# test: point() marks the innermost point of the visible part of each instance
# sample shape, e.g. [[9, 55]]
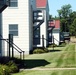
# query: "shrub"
[[38, 51], [62, 44], [13, 68], [46, 50], [8, 66], [4, 70]]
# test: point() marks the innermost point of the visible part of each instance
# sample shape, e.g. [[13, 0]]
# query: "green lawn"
[[35, 72], [57, 58]]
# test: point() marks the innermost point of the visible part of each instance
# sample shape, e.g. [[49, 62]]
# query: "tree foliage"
[[73, 28], [67, 19], [65, 11], [64, 14]]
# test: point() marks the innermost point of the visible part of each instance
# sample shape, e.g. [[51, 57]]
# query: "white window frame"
[[12, 30]]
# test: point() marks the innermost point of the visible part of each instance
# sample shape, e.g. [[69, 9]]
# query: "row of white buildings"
[[27, 20]]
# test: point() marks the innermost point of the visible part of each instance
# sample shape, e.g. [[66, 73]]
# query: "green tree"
[[64, 13], [72, 18], [73, 28]]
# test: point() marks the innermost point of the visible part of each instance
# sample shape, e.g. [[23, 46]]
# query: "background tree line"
[[67, 19]]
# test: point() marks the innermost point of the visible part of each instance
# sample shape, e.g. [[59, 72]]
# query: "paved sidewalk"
[[52, 69]]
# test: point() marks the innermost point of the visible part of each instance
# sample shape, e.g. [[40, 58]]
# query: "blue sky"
[[54, 5]]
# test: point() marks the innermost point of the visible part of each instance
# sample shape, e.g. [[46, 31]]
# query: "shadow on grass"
[[55, 50], [28, 63], [31, 63]]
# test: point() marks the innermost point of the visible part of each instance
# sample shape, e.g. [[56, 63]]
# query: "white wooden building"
[[41, 5], [54, 32], [17, 19]]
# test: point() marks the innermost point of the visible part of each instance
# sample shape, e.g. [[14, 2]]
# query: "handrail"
[[2, 8], [21, 51], [14, 46], [56, 39], [47, 39], [37, 19], [38, 24]]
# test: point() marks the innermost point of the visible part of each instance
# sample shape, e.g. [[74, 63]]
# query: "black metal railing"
[[38, 25], [4, 4], [13, 45], [18, 49], [37, 18]]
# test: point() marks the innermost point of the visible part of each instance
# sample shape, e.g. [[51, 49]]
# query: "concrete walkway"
[[52, 69]]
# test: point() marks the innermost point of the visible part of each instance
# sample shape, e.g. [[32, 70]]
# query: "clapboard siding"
[[19, 15]]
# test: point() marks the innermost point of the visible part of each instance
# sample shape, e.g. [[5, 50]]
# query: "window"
[[13, 3], [13, 29]]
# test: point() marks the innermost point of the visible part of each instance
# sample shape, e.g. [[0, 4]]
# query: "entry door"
[[36, 37]]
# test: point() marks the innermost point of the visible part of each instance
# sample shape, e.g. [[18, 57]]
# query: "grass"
[[59, 57], [35, 72], [67, 58]]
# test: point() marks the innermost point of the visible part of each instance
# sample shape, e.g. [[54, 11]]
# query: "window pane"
[[15, 33], [13, 3], [13, 29], [13, 0]]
